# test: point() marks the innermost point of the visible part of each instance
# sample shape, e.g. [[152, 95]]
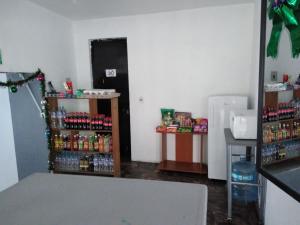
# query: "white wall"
[[30, 37], [254, 78], [8, 164], [280, 207], [176, 59], [33, 37]]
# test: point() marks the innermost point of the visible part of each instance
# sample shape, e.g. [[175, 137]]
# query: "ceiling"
[[89, 9]]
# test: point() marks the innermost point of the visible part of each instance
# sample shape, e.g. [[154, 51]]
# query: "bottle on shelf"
[[85, 143], [91, 143], [101, 144], [75, 142], [96, 142], [53, 120]]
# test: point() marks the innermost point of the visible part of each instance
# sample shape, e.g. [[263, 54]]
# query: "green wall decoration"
[[284, 13], [0, 57]]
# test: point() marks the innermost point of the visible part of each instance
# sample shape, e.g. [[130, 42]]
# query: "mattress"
[[52, 199]]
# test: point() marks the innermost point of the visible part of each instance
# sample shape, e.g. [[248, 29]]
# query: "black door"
[[110, 54]]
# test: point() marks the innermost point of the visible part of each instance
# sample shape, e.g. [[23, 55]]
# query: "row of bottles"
[[75, 161], [77, 120], [101, 122], [282, 112], [92, 143], [278, 132], [80, 121], [274, 152]]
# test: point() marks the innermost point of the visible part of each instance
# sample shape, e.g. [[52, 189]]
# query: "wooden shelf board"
[[161, 132], [78, 172], [169, 165], [100, 131], [110, 96], [85, 152], [281, 141], [281, 160], [278, 121]]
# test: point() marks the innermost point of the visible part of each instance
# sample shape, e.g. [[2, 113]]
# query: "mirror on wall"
[[279, 95]]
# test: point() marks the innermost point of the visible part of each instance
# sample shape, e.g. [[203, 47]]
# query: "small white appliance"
[[243, 124], [219, 108]]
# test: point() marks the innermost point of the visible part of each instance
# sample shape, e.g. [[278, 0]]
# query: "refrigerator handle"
[[213, 116]]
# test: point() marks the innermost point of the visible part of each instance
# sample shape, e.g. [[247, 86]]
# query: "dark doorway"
[[112, 54]]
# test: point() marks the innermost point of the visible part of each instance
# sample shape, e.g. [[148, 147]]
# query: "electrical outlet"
[[274, 76]]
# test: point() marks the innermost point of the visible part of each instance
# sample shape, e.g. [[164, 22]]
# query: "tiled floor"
[[217, 195]]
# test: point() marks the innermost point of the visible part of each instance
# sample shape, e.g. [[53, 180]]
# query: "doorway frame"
[[92, 80]]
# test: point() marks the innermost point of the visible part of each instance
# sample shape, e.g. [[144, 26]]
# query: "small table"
[[231, 141], [184, 154]]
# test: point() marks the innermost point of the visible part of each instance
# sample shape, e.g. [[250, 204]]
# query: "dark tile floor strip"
[[217, 194]]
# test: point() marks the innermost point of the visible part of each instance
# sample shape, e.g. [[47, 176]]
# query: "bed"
[[53, 199]]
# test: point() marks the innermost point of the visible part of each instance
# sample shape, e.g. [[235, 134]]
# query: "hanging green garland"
[[284, 13]]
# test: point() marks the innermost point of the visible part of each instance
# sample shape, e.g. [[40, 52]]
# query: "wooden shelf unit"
[[271, 100], [93, 110], [184, 154]]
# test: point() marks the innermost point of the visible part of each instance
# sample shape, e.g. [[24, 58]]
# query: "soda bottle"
[[83, 121], [71, 121], [56, 142], [66, 121], [91, 143], [75, 142], [110, 144], [75, 121], [88, 122], [85, 143], [68, 143], [80, 143], [110, 124], [79, 121], [101, 144], [61, 142], [93, 123], [64, 142], [96, 143]]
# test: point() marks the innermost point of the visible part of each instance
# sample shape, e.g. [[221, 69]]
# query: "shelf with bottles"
[[74, 126], [281, 131], [80, 121], [83, 143], [273, 153], [84, 163], [281, 112]]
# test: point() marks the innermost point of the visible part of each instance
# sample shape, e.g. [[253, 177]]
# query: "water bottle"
[[60, 119], [96, 164], [53, 120], [106, 163], [245, 172], [101, 163]]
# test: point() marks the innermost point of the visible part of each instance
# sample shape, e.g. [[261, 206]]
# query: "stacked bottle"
[[285, 111], [57, 118], [73, 161], [279, 132], [77, 120], [100, 122], [93, 143]]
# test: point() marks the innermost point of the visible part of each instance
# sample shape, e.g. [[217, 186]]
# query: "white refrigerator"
[[219, 108]]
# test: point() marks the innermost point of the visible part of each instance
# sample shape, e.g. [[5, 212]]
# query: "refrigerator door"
[[218, 116]]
